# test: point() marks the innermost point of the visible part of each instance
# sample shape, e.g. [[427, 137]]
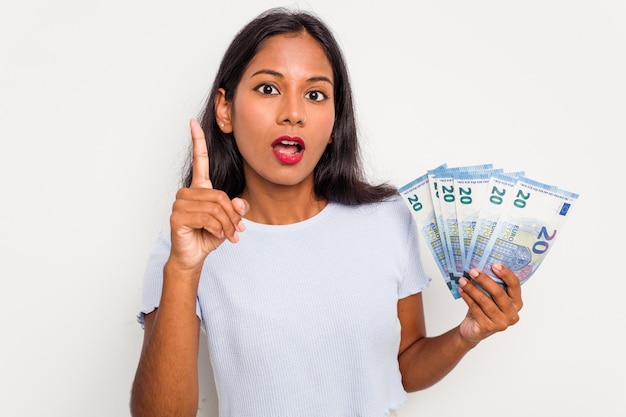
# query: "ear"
[[223, 111]]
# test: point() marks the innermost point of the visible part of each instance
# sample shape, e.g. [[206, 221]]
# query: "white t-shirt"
[[301, 319]]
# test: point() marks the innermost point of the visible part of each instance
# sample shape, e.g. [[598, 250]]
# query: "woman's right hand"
[[202, 217]]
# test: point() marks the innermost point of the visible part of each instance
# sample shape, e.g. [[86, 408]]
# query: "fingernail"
[[473, 273], [462, 282], [496, 267], [241, 226]]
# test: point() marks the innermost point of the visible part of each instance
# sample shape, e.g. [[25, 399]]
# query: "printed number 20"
[[542, 246], [415, 203]]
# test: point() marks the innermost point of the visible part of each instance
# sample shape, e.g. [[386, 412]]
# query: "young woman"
[[304, 277]]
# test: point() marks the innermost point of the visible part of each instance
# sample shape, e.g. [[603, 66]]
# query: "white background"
[[95, 98]]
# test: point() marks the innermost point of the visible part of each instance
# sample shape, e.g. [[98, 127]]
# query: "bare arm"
[[426, 360], [166, 381]]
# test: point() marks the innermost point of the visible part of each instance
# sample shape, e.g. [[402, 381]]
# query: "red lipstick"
[[288, 150]]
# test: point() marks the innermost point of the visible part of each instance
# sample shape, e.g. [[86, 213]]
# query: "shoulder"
[[392, 208], [162, 246], [388, 214]]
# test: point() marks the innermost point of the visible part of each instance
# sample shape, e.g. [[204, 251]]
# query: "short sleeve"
[[153, 277], [415, 278]]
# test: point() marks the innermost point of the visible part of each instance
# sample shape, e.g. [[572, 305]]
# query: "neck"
[[282, 204]]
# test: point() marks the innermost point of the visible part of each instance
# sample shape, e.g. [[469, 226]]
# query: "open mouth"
[[288, 147], [288, 150]]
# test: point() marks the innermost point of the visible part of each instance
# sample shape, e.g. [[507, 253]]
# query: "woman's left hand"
[[492, 312]]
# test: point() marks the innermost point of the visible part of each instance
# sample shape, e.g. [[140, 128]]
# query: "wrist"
[[173, 270], [464, 342]]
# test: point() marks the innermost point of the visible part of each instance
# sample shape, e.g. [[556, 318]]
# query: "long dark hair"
[[339, 175]]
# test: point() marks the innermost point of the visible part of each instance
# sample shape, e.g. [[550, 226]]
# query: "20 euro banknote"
[[443, 195], [474, 216], [417, 196], [527, 228]]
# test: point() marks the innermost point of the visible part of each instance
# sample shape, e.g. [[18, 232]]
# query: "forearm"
[[429, 359], [166, 382]]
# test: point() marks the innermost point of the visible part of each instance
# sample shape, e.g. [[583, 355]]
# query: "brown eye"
[[316, 96], [266, 89]]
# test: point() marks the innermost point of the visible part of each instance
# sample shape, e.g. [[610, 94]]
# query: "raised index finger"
[[200, 162]]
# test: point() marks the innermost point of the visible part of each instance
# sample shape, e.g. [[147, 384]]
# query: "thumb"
[[240, 205]]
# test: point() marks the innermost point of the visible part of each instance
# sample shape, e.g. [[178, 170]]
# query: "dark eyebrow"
[[321, 78], [268, 72], [279, 75]]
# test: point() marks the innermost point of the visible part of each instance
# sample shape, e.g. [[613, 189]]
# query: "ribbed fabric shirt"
[[301, 319]]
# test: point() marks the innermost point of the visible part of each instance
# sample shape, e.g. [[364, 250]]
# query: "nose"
[[292, 110]]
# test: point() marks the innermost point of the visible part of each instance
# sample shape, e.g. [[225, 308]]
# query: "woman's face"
[[283, 111]]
